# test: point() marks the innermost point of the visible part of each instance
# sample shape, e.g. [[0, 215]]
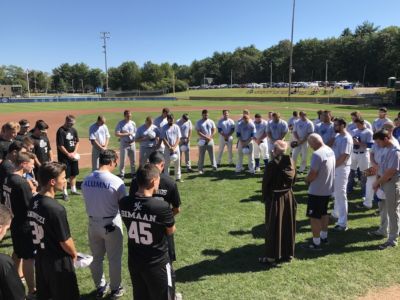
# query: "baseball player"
[[171, 136], [7, 166], [276, 130], [321, 186], [67, 148], [126, 131], [396, 130], [318, 119], [302, 129], [8, 134], [24, 130], [17, 193], [356, 115], [382, 119], [11, 287], [325, 128], [226, 128], [342, 147], [56, 253], [148, 222], [245, 133], [99, 137], [293, 120], [147, 135], [160, 121], [362, 142], [102, 190], [185, 125], [42, 148], [260, 144], [389, 181], [206, 129], [167, 190]]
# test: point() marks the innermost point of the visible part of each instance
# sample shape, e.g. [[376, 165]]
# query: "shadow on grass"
[[237, 260], [224, 174]]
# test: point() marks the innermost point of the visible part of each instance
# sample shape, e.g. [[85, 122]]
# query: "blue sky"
[[43, 34]]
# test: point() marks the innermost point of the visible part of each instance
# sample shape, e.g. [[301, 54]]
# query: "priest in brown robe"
[[280, 206]]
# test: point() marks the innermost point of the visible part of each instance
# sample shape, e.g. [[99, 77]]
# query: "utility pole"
[[105, 36], [173, 82], [82, 86], [291, 51], [365, 70], [27, 83], [270, 75], [72, 85], [326, 73], [231, 78]]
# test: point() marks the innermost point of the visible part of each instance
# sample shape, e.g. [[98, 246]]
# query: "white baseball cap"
[[77, 156], [151, 134], [201, 142], [173, 157], [184, 148]]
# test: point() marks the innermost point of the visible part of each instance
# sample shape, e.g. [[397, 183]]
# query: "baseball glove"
[[294, 144]]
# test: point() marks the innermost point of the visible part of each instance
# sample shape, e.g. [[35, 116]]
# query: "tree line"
[[368, 55]]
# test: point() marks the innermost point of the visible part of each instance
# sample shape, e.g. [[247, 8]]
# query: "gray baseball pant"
[[202, 152], [102, 242], [392, 205], [124, 151]]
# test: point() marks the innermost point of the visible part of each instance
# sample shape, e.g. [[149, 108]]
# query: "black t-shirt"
[[17, 194], [167, 190], [67, 137], [42, 148], [20, 137], [6, 168], [4, 145], [49, 226], [11, 287], [146, 220]]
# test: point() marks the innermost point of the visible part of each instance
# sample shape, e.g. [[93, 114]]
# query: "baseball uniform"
[[226, 127]]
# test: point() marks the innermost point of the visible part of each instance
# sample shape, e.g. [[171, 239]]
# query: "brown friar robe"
[[280, 207]]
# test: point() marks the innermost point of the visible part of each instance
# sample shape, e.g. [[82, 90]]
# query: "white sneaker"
[[201, 172], [258, 169]]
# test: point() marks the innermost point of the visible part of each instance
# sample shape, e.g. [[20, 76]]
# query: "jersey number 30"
[[37, 234], [141, 234]]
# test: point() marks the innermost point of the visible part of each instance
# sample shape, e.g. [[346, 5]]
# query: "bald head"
[[280, 147], [315, 141]]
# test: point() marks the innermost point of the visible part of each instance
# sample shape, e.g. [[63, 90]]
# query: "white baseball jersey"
[[185, 127], [226, 126], [125, 127], [205, 127], [303, 128], [343, 144], [277, 129]]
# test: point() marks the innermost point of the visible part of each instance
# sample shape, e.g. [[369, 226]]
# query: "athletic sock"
[[265, 162], [73, 188], [324, 234], [317, 241], [65, 191], [257, 162]]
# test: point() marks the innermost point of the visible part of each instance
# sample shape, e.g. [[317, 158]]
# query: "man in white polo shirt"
[[302, 129], [126, 131], [245, 133], [171, 136], [226, 128], [99, 136], [186, 127], [321, 186], [102, 191], [206, 130], [342, 147]]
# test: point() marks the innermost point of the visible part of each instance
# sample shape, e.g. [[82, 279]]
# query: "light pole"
[[82, 86], [27, 83], [72, 85], [291, 50], [365, 70], [105, 36], [326, 73], [231, 78], [270, 75]]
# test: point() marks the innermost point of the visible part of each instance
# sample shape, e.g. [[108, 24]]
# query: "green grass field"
[[220, 229]]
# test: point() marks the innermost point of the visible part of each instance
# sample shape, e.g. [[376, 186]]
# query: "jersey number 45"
[[140, 232]]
